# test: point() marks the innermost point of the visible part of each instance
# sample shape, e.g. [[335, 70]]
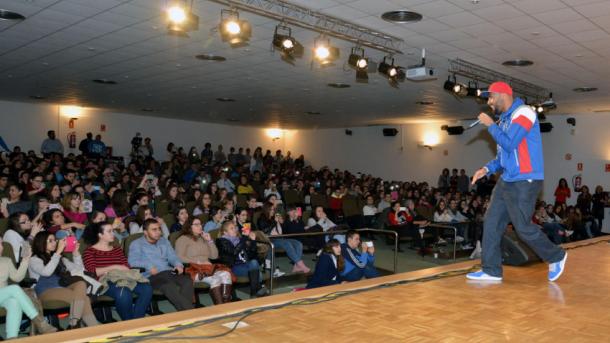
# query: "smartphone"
[[369, 244], [299, 212], [150, 177], [97, 188], [245, 230], [403, 209], [52, 206], [87, 206], [70, 244]]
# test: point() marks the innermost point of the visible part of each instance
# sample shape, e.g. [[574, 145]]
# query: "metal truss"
[[481, 74], [309, 19]]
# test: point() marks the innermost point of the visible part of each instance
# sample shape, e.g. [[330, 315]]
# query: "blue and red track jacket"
[[519, 152]]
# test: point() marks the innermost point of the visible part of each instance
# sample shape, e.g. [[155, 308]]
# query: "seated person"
[[270, 223], [143, 214], [358, 264], [320, 219], [239, 253], [162, 267], [217, 216], [196, 247], [56, 223], [20, 229], [15, 300], [101, 257], [329, 267], [294, 224]]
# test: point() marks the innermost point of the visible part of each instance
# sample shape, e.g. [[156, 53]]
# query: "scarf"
[[234, 240]]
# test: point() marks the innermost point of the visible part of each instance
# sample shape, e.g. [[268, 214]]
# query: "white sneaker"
[[267, 264], [459, 239], [441, 241], [569, 233], [278, 272]]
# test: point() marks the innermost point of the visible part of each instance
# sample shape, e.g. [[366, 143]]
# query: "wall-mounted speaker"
[[348, 132], [390, 132], [546, 127], [455, 130]]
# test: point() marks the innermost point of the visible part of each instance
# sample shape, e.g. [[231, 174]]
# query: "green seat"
[[173, 237], [169, 220], [291, 197], [162, 208], [306, 215], [3, 226], [190, 206], [319, 200], [214, 233], [7, 251], [127, 241], [242, 201], [350, 206], [203, 218]]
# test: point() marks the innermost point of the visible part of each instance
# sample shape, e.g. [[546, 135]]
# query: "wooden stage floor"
[[523, 308]]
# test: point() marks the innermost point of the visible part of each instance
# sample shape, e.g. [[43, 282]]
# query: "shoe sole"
[[486, 279], [562, 263]]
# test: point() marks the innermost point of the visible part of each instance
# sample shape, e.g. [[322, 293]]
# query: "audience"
[[329, 267]]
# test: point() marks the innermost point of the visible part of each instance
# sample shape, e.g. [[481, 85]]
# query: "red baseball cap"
[[499, 87]]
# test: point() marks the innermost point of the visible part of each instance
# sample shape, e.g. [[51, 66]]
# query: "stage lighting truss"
[[288, 46], [393, 72], [180, 18], [360, 63], [233, 30]]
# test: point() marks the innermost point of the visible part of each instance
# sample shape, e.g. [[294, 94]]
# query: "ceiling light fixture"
[[584, 89], [339, 85], [517, 63], [180, 18], [289, 47], [392, 72], [10, 15], [235, 31], [224, 99], [210, 57], [324, 53], [105, 81], [357, 61], [401, 16]]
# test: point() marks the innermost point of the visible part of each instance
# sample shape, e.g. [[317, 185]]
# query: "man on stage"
[[519, 157]]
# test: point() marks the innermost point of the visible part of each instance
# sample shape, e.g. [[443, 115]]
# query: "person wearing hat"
[[519, 159]]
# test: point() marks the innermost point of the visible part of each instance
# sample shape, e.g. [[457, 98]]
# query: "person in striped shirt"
[[101, 257]]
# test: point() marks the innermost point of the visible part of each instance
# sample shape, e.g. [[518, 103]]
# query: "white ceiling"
[[64, 44]]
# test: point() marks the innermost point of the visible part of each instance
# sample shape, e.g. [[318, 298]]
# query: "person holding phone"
[[358, 263], [52, 273], [55, 223]]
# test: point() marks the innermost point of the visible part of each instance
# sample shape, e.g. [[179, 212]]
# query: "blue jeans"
[[358, 273], [293, 248], [125, 306], [242, 269], [514, 202]]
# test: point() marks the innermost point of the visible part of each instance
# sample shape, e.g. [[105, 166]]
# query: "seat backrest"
[[127, 241], [204, 218], [350, 206], [306, 215], [169, 220], [190, 206], [255, 216], [214, 233], [382, 220], [162, 208], [7, 251], [319, 200], [242, 201], [173, 237], [3, 226], [291, 197]]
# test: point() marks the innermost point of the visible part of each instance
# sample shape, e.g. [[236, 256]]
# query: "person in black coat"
[[239, 253], [329, 267]]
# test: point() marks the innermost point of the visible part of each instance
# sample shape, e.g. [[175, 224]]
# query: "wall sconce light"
[[71, 111], [274, 134], [430, 140]]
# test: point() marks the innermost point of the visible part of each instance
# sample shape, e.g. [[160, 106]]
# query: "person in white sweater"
[[53, 277], [143, 213], [320, 218]]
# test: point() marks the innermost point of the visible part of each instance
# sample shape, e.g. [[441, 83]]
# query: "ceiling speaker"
[[546, 127]]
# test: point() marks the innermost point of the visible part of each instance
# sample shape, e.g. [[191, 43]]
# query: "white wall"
[[367, 150], [26, 125]]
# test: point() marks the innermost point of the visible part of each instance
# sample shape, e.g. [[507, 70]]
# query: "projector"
[[420, 73]]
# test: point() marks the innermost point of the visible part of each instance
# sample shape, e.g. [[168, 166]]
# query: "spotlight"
[[394, 73], [449, 84], [235, 31], [357, 61], [324, 53], [181, 19], [288, 46], [549, 104]]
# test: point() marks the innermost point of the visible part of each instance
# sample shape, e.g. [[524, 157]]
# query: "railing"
[[446, 227], [326, 233]]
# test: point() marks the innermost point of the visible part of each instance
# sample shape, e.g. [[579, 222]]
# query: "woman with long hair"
[[101, 258], [20, 229], [53, 281], [329, 266], [197, 248]]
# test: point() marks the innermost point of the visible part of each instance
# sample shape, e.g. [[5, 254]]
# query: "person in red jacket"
[[562, 192]]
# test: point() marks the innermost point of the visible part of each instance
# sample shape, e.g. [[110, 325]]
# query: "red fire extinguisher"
[[72, 140], [577, 182]]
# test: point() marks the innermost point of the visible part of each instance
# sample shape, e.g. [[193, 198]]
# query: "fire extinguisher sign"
[[607, 167], [579, 166]]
